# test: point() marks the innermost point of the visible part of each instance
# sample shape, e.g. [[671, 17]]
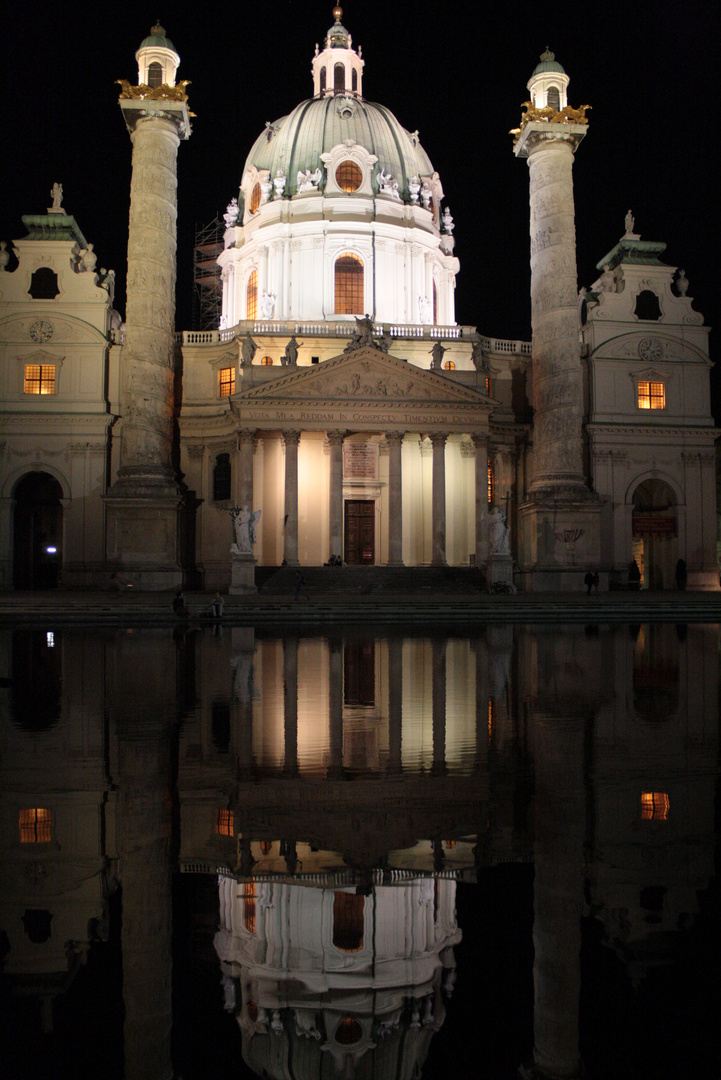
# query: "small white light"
[[51, 639], [51, 550]]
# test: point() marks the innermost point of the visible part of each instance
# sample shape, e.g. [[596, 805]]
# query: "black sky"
[[458, 74]]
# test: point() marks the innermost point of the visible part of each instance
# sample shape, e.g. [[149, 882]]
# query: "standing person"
[[179, 608], [596, 581]]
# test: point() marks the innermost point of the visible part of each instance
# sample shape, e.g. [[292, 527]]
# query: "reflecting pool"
[[347, 855]]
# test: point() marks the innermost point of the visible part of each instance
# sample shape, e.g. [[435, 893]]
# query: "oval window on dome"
[[348, 176], [255, 199]]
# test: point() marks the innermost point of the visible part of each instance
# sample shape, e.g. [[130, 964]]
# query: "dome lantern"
[[337, 68], [548, 84], [157, 59]]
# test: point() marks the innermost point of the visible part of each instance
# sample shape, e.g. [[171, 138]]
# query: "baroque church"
[[338, 396]]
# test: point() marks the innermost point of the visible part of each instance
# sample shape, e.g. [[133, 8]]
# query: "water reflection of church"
[[339, 791], [381, 448]]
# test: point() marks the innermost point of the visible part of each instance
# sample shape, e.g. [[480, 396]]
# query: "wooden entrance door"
[[360, 532]]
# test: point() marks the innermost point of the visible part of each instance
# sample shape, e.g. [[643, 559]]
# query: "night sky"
[[649, 71]]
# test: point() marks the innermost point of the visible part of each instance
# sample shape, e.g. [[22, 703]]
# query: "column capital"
[[438, 438], [291, 436], [247, 437], [395, 437], [480, 440], [336, 437]]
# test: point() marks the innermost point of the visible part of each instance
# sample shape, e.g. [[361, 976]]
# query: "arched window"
[[44, 284], [348, 1031], [354, 81], [251, 296], [554, 98], [221, 478], [254, 199], [339, 78], [267, 361], [491, 483], [155, 74], [322, 80], [647, 306], [348, 176], [348, 921], [348, 285], [449, 365]]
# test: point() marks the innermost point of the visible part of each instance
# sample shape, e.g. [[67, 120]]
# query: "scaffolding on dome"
[[207, 286]]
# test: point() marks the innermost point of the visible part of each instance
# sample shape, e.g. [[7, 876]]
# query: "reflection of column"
[[481, 444], [246, 446], [438, 441], [335, 707], [395, 498], [558, 893], [395, 704], [439, 705], [290, 552], [144, 701], [290, 693], [335, 513], [242, 650]]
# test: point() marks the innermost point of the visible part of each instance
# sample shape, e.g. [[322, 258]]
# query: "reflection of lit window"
[[224, 822], [654, 805], [252, 1010], [226, 385], [348, 1031], [348, 176], [348, 285], [254, 199], [488, 385], [39, 379], [251, 296], [249, 907], [348, 921], [35, 826], [267, 361], [491, 483], [490, 719], [651, 395], [266, 846]]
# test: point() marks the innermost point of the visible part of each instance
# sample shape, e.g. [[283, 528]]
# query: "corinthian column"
[[335, 508], [246, 446], [480, 443], [395, 498], [291, 440], [438, 441]]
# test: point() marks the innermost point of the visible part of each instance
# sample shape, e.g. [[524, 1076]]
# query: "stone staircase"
[[330, 581]]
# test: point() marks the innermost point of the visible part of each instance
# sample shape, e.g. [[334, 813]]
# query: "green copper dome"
[[157, 39], [548, 63], [295, 142]]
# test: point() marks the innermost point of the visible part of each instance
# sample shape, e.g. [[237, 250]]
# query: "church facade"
[[338, 396]]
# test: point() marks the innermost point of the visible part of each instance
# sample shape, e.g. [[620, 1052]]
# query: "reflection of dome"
[[333, 982], [295, 142]]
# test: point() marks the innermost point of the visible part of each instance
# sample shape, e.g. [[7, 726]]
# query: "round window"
[[348, 176], [267, 361]]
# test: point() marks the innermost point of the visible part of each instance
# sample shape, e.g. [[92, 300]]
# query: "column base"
[[242, 569], [560, 541], [143, 538], [499, 574]]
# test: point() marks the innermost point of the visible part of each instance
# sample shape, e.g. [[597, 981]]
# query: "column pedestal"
[[559, 541], [143, 538], [499, 573], [242, 569]]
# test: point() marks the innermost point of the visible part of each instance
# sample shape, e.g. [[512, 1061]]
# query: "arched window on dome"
[[322, 80], [554, 98], [251, 296], [155, 74], [450, 365], [348, 921], [255, 199], [354, 81], [267, 361], [339, 78], [349, 276]]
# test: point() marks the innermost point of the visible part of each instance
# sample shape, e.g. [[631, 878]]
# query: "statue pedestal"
[[242, 568], [559, 541], [499, 572]]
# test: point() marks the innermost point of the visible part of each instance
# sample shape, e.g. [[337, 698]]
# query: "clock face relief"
[[41, 330], [650, 349]]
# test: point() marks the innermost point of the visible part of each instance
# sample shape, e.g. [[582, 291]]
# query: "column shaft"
[[335, 494], [438, 441], [246, 446], [291, 440], [481, 444], [395, 497]]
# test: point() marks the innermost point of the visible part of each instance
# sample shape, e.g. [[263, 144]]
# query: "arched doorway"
[[38, 532], [655, 534]]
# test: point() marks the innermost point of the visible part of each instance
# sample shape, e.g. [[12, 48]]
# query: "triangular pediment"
[[364, 377]]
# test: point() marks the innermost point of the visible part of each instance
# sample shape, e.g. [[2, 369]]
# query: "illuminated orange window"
[[251, 296], [490, 719], [488, 385], [651, 395], [35, 826], [348, 921], [348, 176], [39, 379], [491, 483], [224, 822], [254, 199], [249, 906], [226, 383], [267, 361], [654, 805], [449, 365], [348, 285]]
